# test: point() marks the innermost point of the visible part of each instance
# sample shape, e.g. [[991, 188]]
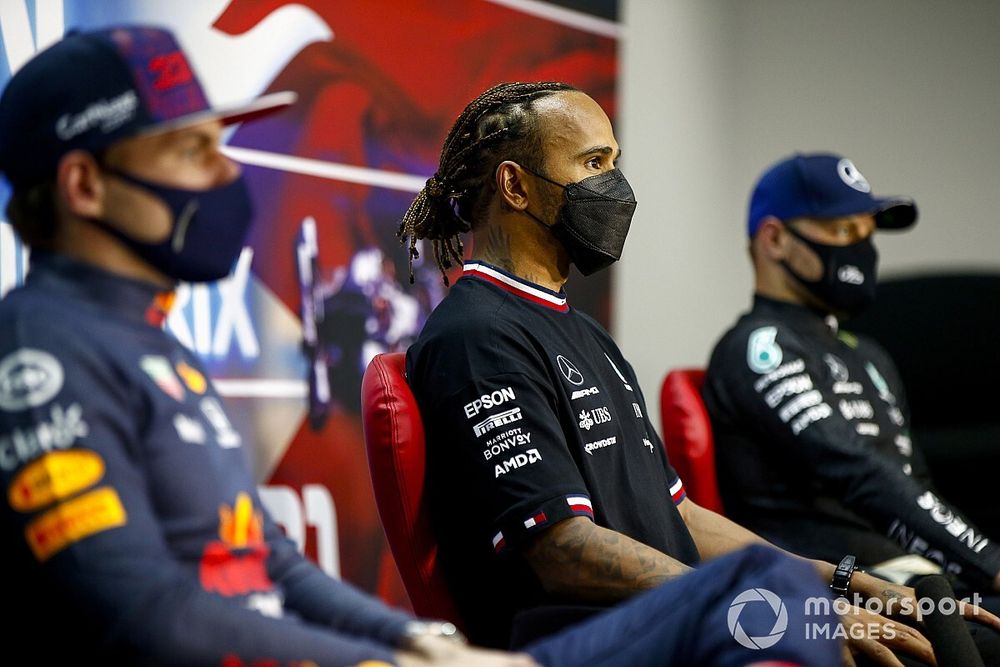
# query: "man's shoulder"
[[469, 317], [39, 321], [28, 314], [472, 332], [749, 325], [865, 347], [757, 345]]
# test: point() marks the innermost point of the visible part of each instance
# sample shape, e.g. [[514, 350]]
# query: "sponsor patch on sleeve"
[[763, 352], [29, 378], [54, 477], [192, 377], [74, 520]]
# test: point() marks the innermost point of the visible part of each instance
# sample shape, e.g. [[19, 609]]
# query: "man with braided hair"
[[549, 489]]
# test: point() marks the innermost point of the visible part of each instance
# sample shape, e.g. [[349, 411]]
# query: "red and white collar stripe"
[[517, 286]]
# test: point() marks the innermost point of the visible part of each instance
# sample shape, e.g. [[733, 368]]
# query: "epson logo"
[[487, 401], [497, 420], [516, 461]]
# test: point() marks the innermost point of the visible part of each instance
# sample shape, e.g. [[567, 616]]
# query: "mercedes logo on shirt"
[[569, 371]]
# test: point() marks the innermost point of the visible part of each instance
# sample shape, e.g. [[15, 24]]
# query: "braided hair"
[[499, 125]]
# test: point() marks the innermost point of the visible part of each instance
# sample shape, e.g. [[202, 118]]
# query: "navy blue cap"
[[91, 89], [823, 185]]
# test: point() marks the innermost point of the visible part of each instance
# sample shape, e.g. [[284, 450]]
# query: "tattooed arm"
[[714, 534], [580, 559]]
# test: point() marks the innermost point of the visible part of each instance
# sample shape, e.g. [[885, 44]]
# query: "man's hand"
[[878, 638], [431, 651]]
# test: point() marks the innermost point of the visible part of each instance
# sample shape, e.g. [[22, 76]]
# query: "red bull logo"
[[237, 563]]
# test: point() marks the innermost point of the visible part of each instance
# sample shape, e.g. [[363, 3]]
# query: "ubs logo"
[[569, 371]]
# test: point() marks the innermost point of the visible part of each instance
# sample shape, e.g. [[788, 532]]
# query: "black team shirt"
[[813, 447], [532, 416]]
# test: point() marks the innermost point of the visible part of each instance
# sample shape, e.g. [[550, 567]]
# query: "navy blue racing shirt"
[[132, 528]]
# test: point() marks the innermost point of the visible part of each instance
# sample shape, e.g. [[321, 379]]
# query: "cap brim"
[[896, 213], [235, 113]]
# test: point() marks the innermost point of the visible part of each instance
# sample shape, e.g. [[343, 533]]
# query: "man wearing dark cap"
[[132, 530], [810, 422]]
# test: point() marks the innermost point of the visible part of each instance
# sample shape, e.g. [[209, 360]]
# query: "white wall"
[[715, 90]]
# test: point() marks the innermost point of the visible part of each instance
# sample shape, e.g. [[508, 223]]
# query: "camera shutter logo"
[[780, 618]]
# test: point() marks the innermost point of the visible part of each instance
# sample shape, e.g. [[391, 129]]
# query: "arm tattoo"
[[585, 561]]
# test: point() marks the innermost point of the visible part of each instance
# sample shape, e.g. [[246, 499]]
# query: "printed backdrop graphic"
[[322, 286]]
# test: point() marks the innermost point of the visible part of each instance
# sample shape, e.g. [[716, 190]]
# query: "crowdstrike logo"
[[756, 596]]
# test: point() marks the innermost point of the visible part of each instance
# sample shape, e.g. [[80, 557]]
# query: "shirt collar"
[[799, 313], [517, 286], [135, 300]]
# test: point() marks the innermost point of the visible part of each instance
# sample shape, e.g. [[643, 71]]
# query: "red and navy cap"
[[94, 88], [822, 185]]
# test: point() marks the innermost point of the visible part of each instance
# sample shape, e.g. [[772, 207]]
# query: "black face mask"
[[593, 220], [849, 274]]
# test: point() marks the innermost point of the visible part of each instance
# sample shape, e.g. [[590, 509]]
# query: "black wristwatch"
[[842, 575]]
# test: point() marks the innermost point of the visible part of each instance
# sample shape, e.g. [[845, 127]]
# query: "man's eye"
[[594, 162], [191, 151]]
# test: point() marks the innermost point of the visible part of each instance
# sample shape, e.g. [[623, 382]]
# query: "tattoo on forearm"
[[586, 561]]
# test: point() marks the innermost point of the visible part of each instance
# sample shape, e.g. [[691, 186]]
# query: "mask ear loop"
[[788, 267], [544, 178], [796, 233]]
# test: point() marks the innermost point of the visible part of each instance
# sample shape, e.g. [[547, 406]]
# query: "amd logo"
[[517, 461]]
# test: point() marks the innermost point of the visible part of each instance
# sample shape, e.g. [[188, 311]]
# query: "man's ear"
[[771, 240], [80, 184], [512, 185]]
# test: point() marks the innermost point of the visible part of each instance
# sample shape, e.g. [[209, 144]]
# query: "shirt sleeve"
[[502, 434], [797, 404], [330, 602], [78, 504]]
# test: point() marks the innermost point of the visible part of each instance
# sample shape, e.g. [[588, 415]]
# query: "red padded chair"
[[687, 435], [394, 440]]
